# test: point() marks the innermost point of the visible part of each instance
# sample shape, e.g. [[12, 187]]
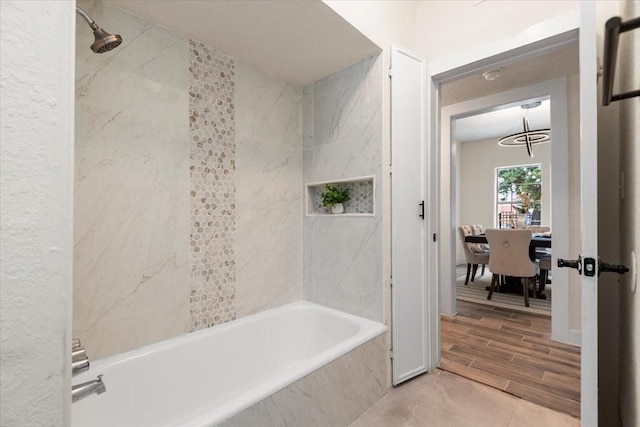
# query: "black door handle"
[[571, 263], [590, 263], [422, 209], [603, 267]]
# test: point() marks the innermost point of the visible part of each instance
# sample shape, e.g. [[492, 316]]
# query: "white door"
[[410, 337], [589, 213]]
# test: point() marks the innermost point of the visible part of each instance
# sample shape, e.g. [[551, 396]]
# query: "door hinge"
[[391, 353], [390, 71], [434, 237]]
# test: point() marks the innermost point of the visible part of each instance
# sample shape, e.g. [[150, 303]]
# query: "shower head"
[[104, 41]]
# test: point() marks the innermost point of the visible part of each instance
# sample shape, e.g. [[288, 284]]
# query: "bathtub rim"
[[368, 330]]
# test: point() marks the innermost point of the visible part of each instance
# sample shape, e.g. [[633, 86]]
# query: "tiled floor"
[[512, 351], [443, 399]]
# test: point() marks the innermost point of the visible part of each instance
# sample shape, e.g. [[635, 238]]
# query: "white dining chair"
[[510, 257], [475, 253]]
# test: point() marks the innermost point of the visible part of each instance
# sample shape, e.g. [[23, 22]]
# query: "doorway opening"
[[525, 351], [505, 188]]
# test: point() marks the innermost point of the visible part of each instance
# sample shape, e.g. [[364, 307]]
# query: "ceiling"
[[504, 122], [507, 121], [298, 40], [559, 63]]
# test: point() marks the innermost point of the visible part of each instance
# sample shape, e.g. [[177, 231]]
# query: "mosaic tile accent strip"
[[213, 191], [361, 197]]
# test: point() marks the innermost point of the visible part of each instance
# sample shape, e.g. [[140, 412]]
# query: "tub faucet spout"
[[88, 388]]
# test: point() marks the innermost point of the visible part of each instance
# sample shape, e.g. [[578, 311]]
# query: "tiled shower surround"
[[213, 187], [191, 171], [343, 140], [180, 178]]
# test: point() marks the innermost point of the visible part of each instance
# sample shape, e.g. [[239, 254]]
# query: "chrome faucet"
[[80, 363], [88, 388]]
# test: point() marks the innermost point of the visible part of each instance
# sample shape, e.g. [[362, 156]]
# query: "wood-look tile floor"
[[512, 351]]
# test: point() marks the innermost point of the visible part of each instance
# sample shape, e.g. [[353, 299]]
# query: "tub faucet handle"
[[79, 365], [79, 359], [78, 353]]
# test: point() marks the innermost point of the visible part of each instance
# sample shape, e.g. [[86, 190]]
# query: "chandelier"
[[527, 137]]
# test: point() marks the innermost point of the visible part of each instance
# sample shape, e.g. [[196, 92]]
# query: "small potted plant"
[[334, 198]]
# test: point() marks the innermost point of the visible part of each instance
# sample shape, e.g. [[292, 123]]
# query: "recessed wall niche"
[[361, 190]]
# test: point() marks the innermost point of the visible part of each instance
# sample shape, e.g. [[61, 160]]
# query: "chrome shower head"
[[104, 41]]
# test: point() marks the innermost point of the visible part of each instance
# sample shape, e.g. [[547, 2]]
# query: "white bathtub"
[[204, 378]]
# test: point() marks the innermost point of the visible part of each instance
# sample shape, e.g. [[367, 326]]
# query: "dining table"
[[537, 241]]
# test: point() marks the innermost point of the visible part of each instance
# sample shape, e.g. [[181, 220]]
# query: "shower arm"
[[87, 18]]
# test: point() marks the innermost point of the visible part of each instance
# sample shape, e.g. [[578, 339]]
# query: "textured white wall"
[[445, 28], [36, 203], [629, 388]]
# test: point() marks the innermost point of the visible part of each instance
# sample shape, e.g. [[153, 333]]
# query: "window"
[[519, 192]]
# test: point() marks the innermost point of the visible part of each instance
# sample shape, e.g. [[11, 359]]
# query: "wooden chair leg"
[[474, 271], [534, 282], [466, 281], [494, 280], [525, 289], [483, 269], [544, 274]]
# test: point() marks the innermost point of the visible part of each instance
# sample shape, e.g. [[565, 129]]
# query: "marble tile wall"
[[269, 191], [188, 198], [131, 200], [334, 395], [342, 138]]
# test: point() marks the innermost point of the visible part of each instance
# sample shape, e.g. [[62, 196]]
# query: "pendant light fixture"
[[527, 137]]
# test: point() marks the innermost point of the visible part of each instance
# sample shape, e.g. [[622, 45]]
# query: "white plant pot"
[[337, 208]]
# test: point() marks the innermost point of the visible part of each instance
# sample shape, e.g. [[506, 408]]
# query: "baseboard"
[[575, 337]]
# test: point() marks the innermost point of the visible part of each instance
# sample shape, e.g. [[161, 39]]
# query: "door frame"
[[557, 91], [535, 40]]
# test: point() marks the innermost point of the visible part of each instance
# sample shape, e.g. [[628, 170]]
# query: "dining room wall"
[[478, 161]]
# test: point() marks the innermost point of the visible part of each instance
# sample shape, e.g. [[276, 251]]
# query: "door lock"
[[571, 263], [590, 266]]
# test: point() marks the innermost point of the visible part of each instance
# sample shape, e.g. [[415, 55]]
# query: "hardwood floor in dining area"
[[512, 351]]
